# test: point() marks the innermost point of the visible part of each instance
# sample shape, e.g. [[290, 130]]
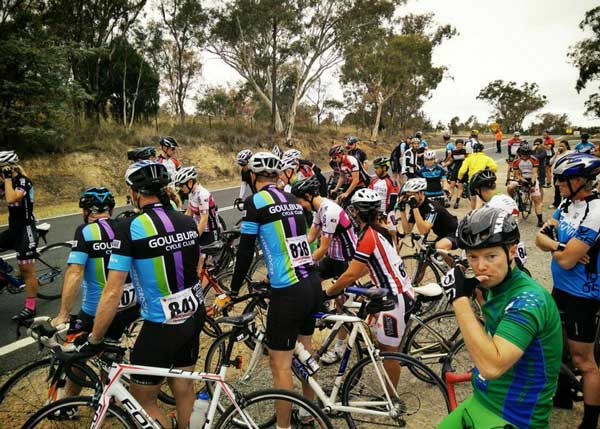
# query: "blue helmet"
[[97, 200], [577, 165]]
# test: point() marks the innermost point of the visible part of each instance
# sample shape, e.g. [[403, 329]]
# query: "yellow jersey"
[[476, 162]]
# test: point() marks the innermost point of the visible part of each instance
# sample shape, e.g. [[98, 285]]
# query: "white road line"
[[12, 347]]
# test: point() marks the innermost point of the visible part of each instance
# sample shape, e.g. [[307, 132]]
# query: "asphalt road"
[[13, 353]]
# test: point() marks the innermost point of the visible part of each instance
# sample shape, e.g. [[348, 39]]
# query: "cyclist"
[[525, 172], [422, 142], [549, 144], [353, 150], [161, 248], [584, 146], [563, 149], [513, 146], [410, 160], [517, 352], [448, 144], [473, 139], [384, 185], [453, 163], [288, 175], [243, 157], [427, 215], [21, 234], [277, 219], [168, 146], [307, 168], [396, 160], [475, 162], [375, 252], [437, 184], [351, 169], [572, 237], [141, 153]]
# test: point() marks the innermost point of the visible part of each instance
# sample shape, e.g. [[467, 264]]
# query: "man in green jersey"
[[517, 353]]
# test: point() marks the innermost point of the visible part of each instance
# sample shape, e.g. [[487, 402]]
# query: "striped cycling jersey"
[[526, 166], [334, 222], [161, 249], [434, 177], [385, 265], [278, 220], [387, 189], [201, 202]]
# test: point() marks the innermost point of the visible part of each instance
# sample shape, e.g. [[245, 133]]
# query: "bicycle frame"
[[450, 379]]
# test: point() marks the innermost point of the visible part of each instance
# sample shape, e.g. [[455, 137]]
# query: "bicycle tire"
[[47, 415], [425, 411], [526, 203], [257, 406], [222, 223], [421, 272], [50, 266]]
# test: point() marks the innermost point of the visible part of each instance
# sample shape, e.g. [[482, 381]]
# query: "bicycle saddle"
[[43, 227], [237, 320], [213, 248], [430, 289]]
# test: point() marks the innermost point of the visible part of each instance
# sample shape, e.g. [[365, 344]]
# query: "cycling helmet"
[[337, 149], [474, 132], [168, 142], [98, 200], [366, 200], [517, 134], [418, 134], [417, 184], [243, 156], [147, 177], [524, 149], [288, 163], [185, 174], [8, 157], [429, 154], [292, 153], [276, 151], [415, 140], [585, 136], [461, 141], [381, 161], [577, 165], [351, 140], [446, 135], [482, 179], [141, 153], [265, 164], [309, 186], [487, 227], [477, 147]]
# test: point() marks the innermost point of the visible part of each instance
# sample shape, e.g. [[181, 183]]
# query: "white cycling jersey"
[[508, 205]]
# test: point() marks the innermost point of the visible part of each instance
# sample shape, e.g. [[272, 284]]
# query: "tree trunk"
[[274, 79], [377, 120], [292, 117], [125, 92], [135, 96]]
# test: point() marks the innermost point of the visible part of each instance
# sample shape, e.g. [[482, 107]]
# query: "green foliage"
[[513, 103], [554, 122], [585, 55]]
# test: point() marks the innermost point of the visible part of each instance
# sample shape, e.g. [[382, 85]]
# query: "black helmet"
[[351, 140], [168, 142], [524, 149], [459, 140], [477, 147], [381, 161], [307, 186], [482, 179], [147, 177], [97, 200], [487, 227], [585, 136], [141, 153]]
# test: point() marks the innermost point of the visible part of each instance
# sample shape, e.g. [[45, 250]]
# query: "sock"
[[539, 217], [339, 346], [457, 199], [590, 416], [30, 303]]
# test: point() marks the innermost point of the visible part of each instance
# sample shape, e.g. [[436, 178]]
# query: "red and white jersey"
[[349, 165], [385, 187], [526, 166], [172, 165], [385, 265], [202, 202], [304, 171], [513, 146], [334, 222]]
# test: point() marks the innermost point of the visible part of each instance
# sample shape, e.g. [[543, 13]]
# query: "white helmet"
[[417, 184], [292, 153], [8, 157], [429, 154], [243, 156], [184, 174], [288, 163], [516, 134], [365, 200], [276, 151], [265, 163], [446, 134], [504, 203]]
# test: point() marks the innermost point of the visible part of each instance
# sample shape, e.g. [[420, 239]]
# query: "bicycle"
[[522, 197], [50, 264], [252, 411]]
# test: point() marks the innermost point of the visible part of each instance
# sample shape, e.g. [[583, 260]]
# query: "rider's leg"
[[511, 188], [582, 355], [146, 395], [27, 270]]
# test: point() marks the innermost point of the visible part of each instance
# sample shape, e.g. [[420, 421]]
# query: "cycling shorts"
[[207, 238], [290, 312], [84, 322], [388, 326], [578, 315], [471, 414], [535, 191], [329, 268], [166, 346], [22, 240]]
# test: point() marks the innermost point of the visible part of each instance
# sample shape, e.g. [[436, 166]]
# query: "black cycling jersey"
[[21, 212], [458, 156], [444, 223], [246, 177], [358, 154]]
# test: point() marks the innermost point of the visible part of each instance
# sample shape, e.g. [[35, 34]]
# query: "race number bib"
[[178, 307], [298, 250], [128, 299], [522, 253]]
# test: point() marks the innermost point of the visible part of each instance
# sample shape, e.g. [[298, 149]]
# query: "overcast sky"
[[520, 40]]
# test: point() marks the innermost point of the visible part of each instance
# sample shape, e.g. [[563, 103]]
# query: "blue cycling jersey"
[[161, 249], [584, 147], [450, 147], [434, 177], [579, 220]]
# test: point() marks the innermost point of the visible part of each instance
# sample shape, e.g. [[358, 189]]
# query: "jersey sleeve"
[[515, 164], [352, 164], [203, 200], [534, 162], [250, 219], [365, 247], [79, 251], [589, 228], [22, 185], [429, 213], [121, 257], [331, 220], [492, 165], [522, 320]]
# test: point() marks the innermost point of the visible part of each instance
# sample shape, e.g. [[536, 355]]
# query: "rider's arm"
[[70, 292], [323, 247], [422, 225], [358, 266], [243, 187], [491, 165], [463, 168], [109, 303], [314, 232], [202, 222], [575, 248], [249, 230], [339, 183], [353, 183], [12, 195], [406, 226]]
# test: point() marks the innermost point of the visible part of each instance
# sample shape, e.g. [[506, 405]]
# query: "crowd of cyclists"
[[319, 236]]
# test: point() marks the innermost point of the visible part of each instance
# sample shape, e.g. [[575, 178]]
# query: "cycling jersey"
[[172, 165], [584, 147], [334, 222], [410, 162], [509, 205], [526, 166], [522, 312], [349, 165], [202, 202], [474, 163], [387, 189], [278, 220], [444, 223], [450, 147], [359, 154], [423, 144], [513, 146], [549, 144], [434, 177], [469, 145], [20, 213], [386, 267], [91, 249], [304, 172], [161, 249], [581, 220]]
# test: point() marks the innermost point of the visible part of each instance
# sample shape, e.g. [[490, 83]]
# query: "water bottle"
[[305, 357], [200, 410]]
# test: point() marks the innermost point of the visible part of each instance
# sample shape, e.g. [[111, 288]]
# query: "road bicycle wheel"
[[28, 390], [525, 204], [77, 412], [418, 404], [459, 361], [431, 340], [259, 408], [421, 272], [50, 267]]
